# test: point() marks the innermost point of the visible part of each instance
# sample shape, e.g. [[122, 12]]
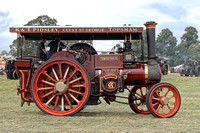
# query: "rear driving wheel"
[[137, 99], [167, 99], [61, 86]]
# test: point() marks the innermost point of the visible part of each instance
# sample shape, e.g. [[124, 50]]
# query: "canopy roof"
[[77, 33]]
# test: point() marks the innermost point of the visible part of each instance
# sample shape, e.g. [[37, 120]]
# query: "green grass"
[[102, 118]]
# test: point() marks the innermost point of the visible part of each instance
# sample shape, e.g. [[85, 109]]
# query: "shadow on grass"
[[104, 114], [88, 114]]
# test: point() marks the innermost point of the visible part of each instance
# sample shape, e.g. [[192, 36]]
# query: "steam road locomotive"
[[79, 76]]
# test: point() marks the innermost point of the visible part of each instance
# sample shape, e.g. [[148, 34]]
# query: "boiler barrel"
[[142, 74], [135, 75]]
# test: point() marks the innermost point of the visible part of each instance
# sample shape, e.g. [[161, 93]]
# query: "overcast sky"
[[173, 14]]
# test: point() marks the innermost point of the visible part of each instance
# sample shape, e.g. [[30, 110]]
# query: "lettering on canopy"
[[76, 30]]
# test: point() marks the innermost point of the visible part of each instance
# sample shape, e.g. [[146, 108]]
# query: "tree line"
[[166, 43], [166, 46]]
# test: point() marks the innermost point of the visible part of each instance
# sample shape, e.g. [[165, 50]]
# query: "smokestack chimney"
[[150, 30]]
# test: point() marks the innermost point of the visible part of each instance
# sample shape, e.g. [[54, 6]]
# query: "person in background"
[[41, 52], [55, 46]]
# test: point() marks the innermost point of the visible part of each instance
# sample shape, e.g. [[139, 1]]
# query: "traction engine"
[[79, 76]]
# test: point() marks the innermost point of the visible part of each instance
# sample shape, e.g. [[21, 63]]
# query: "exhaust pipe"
[[150, 30]]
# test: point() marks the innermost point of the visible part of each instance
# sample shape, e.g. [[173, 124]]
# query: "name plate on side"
[[108, 61]]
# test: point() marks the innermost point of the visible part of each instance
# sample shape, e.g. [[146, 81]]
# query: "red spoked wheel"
[[137, 99], [61, 86], [167, 99]]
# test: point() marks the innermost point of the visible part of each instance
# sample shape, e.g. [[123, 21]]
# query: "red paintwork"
[[133, 74], [89, 63], [136, 75], [24, 88], [23, 62], [26, 73], [62, 54]]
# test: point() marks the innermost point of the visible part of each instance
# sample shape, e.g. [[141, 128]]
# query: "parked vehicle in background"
[[190, 68], [163, 62], [10, 70]]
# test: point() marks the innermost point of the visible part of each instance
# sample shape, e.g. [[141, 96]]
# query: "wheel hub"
[[61, 87], [164, 100]]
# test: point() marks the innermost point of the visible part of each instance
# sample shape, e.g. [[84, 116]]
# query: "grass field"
[[102, 118]]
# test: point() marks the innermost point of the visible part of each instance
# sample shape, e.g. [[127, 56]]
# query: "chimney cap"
[[150, 24]]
